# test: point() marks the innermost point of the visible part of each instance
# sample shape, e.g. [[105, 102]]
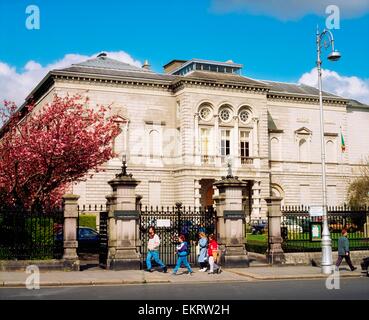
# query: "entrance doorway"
[[207, 192]]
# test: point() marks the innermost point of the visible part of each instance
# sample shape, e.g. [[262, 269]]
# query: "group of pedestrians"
[[208, 253]]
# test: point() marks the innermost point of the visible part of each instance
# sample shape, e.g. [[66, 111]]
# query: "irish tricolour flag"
[[343, 146]]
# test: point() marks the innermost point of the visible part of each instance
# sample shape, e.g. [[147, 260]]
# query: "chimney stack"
[[146, 65]]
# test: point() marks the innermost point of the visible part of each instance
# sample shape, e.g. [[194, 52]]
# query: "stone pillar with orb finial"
[[123, 215], [231, 220]]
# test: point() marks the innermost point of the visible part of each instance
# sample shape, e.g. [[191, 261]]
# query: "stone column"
[[236, 154], [123, 237], [197, 187], [231, 222], [255, 139], [70, 257], [256, 199], [216, 142], [196, 148], [275, 253]]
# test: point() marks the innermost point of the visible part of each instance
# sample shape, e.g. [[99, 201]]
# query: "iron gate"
[[171, 222], [103, 245]]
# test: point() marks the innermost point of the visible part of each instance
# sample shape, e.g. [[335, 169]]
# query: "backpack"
[[188, 248]]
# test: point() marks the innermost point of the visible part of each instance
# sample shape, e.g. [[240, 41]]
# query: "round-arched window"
[[244, 116], [225, 115], [205, 113]]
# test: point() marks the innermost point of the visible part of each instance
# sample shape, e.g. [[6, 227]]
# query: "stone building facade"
[[179, 129]]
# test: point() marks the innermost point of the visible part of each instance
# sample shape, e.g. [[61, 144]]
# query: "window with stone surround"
[[154, 144], [330, 149], [205, 141], [225, 142], [275, 149], [303, 150], [244, 145], [120, 141]]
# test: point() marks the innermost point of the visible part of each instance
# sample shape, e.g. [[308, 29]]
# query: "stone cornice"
[[107, 80], [157, 84], [306, 98], [183, 83]]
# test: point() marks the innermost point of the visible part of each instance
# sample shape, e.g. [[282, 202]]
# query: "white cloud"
[[16, 85], [292, 9], [344, 86]]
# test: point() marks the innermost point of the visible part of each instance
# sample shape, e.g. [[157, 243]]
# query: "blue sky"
[[270, 46]]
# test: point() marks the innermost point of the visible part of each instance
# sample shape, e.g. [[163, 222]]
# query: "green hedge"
[[256, 243], [87, 220]]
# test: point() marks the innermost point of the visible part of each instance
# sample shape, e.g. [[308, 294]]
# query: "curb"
[[292, 277], [21, 284]]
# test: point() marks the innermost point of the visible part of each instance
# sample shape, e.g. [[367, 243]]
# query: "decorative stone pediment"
[[121, 119], [303, 133]]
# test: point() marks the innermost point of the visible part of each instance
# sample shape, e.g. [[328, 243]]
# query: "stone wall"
[[314, 258]]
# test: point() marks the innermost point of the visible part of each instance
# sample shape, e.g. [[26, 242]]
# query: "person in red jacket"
[[213, 253]]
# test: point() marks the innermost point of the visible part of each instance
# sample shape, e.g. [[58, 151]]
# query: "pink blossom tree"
[[43, 151]]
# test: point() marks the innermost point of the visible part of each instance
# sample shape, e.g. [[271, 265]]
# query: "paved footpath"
[[107, 277]]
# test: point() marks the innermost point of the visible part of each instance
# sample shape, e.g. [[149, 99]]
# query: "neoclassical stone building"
[[179, 128]]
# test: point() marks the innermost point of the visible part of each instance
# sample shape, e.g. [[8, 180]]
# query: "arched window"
[[206, 112], [303, 150], [274, 149], [154, 143], [120, 141], [225, 113], [331, 151]]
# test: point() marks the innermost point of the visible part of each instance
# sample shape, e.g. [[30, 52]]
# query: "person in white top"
[[153, 251]]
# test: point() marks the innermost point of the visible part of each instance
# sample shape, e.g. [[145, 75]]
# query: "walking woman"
[[344, 251], [213, 254], [203, 252], [182, 251], [153, 251]]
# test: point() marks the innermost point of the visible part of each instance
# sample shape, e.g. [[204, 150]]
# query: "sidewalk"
[[106, 277]]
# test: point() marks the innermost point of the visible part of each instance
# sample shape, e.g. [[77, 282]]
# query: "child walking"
[[182, 251], [213, 253]]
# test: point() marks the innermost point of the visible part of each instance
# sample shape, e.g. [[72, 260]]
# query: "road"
[[350, 289]]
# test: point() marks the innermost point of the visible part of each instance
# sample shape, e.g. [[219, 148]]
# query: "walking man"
[[344, 251], [153, 251]]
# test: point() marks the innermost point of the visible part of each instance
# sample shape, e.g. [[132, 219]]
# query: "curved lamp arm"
[[330, 36]]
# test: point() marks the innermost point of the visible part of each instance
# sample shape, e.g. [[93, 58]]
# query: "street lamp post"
[[326, 237]]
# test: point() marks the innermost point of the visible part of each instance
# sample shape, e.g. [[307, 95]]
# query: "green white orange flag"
[[343, 146]]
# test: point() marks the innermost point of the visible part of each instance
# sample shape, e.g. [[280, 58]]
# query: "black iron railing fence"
[[31, 235], [296, 227], [169, 222], [92, 208]]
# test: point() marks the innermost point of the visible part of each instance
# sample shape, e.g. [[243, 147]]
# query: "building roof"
[[296, 89], [103, 62], [105, 66], [218, 77], [357, 104]]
